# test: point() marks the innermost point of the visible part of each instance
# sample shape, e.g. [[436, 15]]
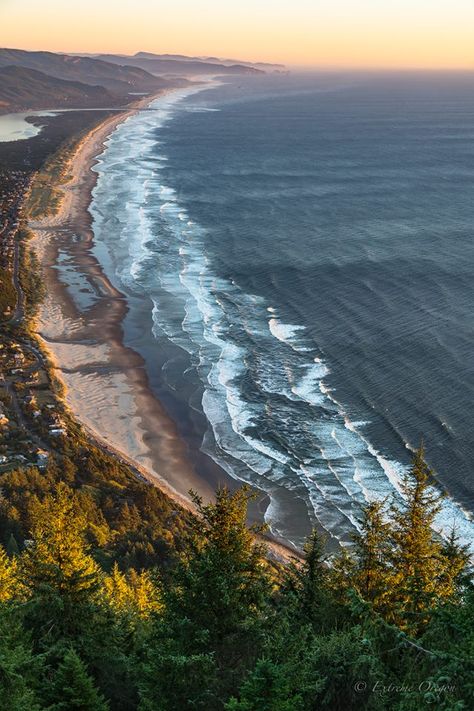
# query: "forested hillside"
[[111, 597]]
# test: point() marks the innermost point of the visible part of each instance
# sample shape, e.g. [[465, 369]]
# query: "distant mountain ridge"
[[37, 80], [157, 64], [264, 66], [21, 87], [119, 80]]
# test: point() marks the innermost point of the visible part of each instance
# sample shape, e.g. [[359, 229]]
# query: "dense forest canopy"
[[111, 597]]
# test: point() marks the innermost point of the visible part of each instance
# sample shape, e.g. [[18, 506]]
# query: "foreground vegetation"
[[45, 194], [111, 598]]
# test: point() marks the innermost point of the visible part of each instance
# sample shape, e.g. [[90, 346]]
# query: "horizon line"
[[287, 65]]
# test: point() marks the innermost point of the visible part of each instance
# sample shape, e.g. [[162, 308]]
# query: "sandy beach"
[[80, 325], [106, 382]]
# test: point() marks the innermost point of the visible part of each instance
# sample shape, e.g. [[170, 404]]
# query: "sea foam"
[[274, 417]]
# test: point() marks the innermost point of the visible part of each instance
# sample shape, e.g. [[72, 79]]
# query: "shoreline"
[[73, 344], [106, 384]]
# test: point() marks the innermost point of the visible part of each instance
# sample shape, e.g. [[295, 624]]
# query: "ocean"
[[297, 252]]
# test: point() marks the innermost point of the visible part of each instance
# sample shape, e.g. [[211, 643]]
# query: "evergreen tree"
[[10, 585], [313, 655], [56, 560], [131, 593], [61, 578], [372, 551], [305, 671], [66, 599], [306, 597], [279, 685], [72, 689], [447, 671], [210, 631], [399, 564], [311, 578], [218, 631], [20, 670], [457, 572], [417, 555], [342, 574]]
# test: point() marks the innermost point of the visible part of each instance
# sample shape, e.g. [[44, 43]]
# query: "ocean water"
[[298, 256]]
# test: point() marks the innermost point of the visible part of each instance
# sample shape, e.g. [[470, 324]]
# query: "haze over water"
[[299, 258]]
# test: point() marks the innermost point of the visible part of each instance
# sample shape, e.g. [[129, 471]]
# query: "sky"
[[322, 33]]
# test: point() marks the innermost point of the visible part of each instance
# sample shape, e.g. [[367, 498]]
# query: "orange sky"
[[326, 33]]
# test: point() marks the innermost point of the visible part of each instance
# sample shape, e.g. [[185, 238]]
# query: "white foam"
[[162, 253], [308, 387], [287, 333]]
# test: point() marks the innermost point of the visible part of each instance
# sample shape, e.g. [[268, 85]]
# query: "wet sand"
[[81, 326], [80, 323]]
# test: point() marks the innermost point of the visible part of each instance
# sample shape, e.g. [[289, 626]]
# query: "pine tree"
[[306, 595], [399, 564], [56, 559], [9, 583], [131, 593], [309, 660], [417, 557], [210, 630], [301, 670], [274, 686], [450, 665], [61, 578], [457, 574], [312, 577], [342, 574], [371, 553], [66, 598], [372, 574], [20, 670], [72, 689]]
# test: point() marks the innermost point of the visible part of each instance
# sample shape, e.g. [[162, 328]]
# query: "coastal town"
[[36, 426], [30, 418], [13, 187], [30, 423], [34, 420]]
